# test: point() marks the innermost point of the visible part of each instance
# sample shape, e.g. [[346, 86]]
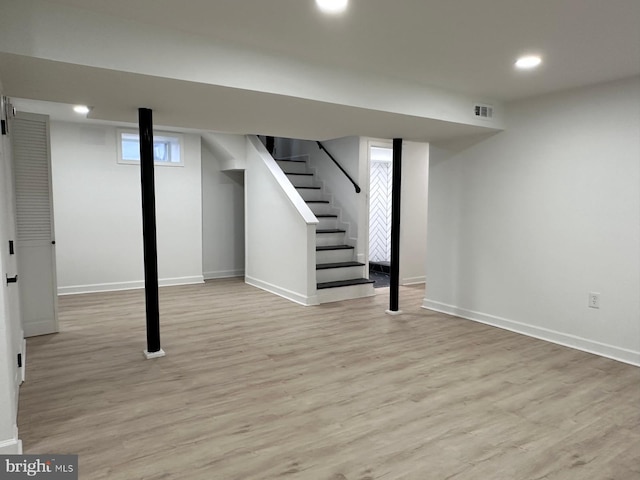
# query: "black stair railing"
[[356, 186]]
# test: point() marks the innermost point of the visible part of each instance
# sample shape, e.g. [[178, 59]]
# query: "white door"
[[13, 326], [35, 244]]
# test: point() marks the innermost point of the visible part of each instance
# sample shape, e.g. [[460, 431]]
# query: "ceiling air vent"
[[483, 111]]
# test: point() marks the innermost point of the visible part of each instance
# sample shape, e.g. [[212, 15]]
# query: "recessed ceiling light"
[[332, 6], [82, 109], [528, 62]]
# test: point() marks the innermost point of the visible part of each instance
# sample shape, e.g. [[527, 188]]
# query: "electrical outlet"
[[594, 300]]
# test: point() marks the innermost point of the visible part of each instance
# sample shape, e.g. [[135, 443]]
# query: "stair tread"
[[326, 266], [308, 188], [317, 201], [287, 160], [344, 283], [296, 173], [333, 247], [326, 215], [330, 230]]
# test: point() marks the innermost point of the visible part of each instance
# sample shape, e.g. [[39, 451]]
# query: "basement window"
[[167, 148]]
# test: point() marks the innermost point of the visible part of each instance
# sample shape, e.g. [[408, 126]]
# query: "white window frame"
[[179, 142]]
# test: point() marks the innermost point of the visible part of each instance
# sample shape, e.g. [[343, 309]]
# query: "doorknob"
[[12, 279]]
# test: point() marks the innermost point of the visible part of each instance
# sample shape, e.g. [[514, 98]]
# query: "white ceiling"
[[467, 46], [461, 46]]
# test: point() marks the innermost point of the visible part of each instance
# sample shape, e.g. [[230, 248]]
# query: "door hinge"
[[4, 127], [13, 279], [19, 360], [11, 249]]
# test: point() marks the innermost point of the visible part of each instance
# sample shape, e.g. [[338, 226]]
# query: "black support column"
[[145, 119], [395, 227]]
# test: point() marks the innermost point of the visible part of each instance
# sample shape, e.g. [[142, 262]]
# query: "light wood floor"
[[255, 387]]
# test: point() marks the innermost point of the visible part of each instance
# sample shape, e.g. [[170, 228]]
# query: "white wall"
[[223, 241], [98, 213], [230, 150], [11, 338], [413, 216], [524, 225]]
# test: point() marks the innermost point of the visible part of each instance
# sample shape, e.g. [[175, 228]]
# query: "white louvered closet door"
[[35, 246]]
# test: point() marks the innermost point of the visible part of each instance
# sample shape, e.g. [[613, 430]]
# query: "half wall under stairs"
[[338, 275]]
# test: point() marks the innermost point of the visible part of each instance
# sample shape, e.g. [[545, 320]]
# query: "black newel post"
[[145, 119], [395, 226], [271, 145]]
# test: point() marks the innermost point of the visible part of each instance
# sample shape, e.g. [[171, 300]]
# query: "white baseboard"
[[41, 327], [413, 280], [282, 292], [564, 339], [117, 286], [223, 274], [13, 446], [172, 282]]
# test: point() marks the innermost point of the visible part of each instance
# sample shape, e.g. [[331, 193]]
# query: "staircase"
[[338, 275]]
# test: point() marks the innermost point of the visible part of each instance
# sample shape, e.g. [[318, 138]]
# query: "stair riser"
[[297, 167], [323, 239], [310, 194], [322, 208], [328, 295], [327, 222], [334, 256], [335, 274], [301, 180]]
